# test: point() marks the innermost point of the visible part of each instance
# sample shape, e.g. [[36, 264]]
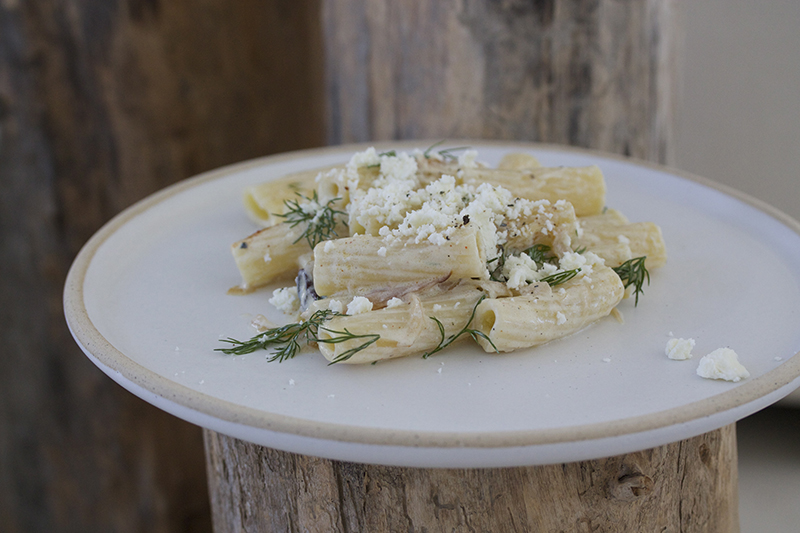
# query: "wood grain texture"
[[595, 73], [102, 103], [684, 487]]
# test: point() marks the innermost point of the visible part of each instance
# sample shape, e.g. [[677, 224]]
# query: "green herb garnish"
[[447, 153], [496, 273], [560, 277], [321, 221], [540, 254], [344, 336], [290, 339], [474, 333], [633, 272]]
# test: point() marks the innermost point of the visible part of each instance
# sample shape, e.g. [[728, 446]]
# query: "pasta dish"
[[397, 254]]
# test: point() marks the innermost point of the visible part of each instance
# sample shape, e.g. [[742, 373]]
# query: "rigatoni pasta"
[[398, 254]]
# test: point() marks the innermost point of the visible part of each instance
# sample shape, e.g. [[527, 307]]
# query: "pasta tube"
[[361, 263], [540, 317], [583, 187], [263, 202], [518, 161], [406, 329], [616, 243]]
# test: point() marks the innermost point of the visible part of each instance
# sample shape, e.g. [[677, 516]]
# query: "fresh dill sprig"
[[344, 336], [447, 153], [289, 339], [286, 338], [496, 273], [321, 221], [560, 277], [474, 333], [633, 272], [540, 254]]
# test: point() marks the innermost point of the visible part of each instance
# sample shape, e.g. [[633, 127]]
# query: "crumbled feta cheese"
[[560, 318], [622, 239], [399, 167], [382, 251], [467, 159], [267, 258], [520, 270], [722, 363], [437, 307], [358, 305], [394, 302], [329, 245], [285, 300], [572, 261], [367, 158], [335, 305], [679, 349]]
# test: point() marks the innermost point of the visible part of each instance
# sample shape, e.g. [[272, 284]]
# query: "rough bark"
[[688, 486], [102, 103], [592, 73]]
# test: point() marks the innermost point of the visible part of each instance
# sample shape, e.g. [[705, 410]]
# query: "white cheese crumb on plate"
[[679, 349], [722, 363]]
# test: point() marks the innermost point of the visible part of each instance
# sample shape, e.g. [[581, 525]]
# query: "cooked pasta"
[[399, 254]]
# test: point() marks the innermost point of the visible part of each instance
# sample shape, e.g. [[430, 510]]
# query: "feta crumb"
[[394, 302], [722, 363], [382, 251], [329, 245], [285, 300], [560, 318], [439, 370], [291, 382], [267, 258], [366, 158], [358, 305], [606, 359], [335, 305], [622, 239], [679, 349], [467, 159], [437, 307]]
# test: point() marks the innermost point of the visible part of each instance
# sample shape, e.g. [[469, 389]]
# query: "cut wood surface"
[[688, 486]]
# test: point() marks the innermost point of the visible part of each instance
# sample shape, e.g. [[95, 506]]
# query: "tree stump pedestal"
[[687, 486]]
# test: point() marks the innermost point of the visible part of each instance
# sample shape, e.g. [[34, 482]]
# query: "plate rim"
[[94, 344]]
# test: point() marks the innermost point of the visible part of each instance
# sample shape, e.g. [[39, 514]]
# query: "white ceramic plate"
[[146, 300]]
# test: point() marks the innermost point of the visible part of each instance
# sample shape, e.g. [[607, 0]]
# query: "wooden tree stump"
[[595, 73], [688, 486]]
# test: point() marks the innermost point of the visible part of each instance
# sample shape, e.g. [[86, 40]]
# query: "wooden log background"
[[105, 101]]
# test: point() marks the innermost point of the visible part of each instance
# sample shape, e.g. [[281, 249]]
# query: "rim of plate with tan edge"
[[146, 301]]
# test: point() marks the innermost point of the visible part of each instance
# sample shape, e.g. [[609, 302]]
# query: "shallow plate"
[[146, 301]]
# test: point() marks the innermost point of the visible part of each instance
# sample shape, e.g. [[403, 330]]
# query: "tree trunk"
[[689, 486], [593, 73], [102, 103]]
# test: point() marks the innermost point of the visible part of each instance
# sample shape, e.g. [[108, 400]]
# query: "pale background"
[[739, 116], [739, 124]]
